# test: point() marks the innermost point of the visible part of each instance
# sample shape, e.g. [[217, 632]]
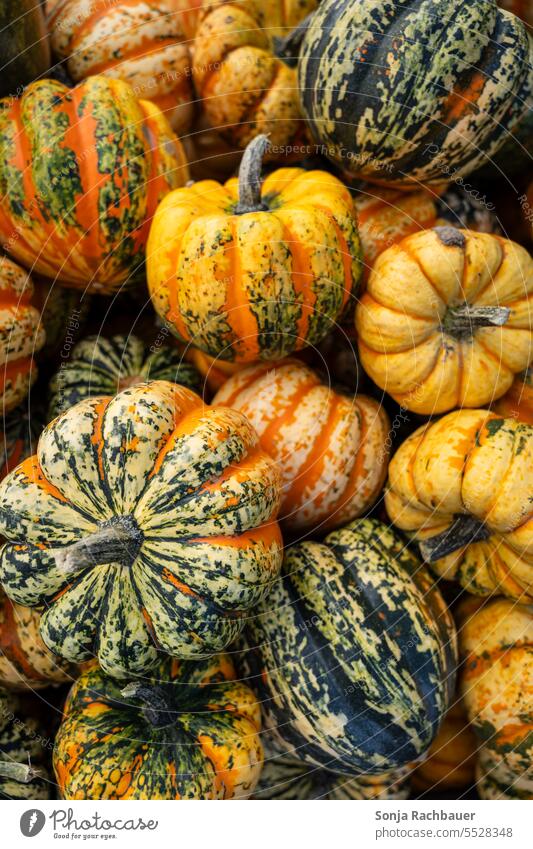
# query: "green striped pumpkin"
[[413, 90], [144, 525], [100, 366], [20, 739], [353, 655]]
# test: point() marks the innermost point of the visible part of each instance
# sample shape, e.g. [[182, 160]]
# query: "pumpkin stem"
[[23, 773], [463, 531], [156, 708], [116, 541], [463, 321], [288, 48], [250, 177]]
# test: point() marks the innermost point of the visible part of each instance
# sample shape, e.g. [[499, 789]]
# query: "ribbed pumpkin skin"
[[210, 748], [81, 173], [25, 661], [353, 655], [139, 42], [517, 403], [21, 334], [404, 343], [258, 285], [201, 498], [399, 94], [470, 462], [451, 760], [245, 88], [277, 16], [497, 648], [330, 447], [100, 366], [20, 737]]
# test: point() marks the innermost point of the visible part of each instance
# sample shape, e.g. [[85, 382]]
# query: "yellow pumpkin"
[[330, 447], [462, 487], [447, 319]]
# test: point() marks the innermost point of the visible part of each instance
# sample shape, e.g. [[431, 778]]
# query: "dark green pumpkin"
[[24, 45], [353, 655], [21, 744], [413, 90]]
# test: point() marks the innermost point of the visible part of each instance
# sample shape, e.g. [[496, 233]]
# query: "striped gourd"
[[353, 655], [81, 173], [21, 738], [517, 403], [250, 271], [144, 524], [191, 732], [462, 486], [100, 366], [21, 334], [447, 319], [405, 92], [330, 447], [497, 650], [133, 40]]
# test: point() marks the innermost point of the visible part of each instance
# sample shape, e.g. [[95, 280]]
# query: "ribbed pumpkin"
[[399, 94], [353, 656], [330, 447], [81, 173], [22, 746], [21, 334], [190, 733], [517, 403], [250, 271], [144, 524], [245, 88], [25, 661], [133, 40], [497, 684], [24, 42], [100, 366], [447, 319], [462, 486], [451, 761]]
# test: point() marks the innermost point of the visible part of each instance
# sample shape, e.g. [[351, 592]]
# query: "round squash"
[[22, 746], [517, 403], [21, 334], [133, 40], [250, 271], [81, 173], [245, 88], [144, 524], [100, 366], [462, 487], [190, 733], [497, 648], [447, 319], [330, 447], [451, 760], [25, 47], [401, 95], [353, 655]]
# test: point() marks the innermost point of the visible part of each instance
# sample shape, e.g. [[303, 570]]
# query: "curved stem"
[[116, 541], [23, 773], [288, 48], [250, 177], [156, 708], [463, 531], [463, 321]]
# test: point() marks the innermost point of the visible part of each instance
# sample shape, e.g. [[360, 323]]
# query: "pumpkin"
[[139, 42], [21, 745], [462, 487], [21, 334], [245, 88], [330, 447], [247, 271], [79, 208], [353, 655], [447, 319], [144, 524], [497, 684], [100, 366], [25, 662], [517, 403], [451, 759], [25, 45], [63, 312], [19, 435], [398, 94], [192, 732]]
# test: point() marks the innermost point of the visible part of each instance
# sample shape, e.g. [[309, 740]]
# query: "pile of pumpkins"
[[266, 495]]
